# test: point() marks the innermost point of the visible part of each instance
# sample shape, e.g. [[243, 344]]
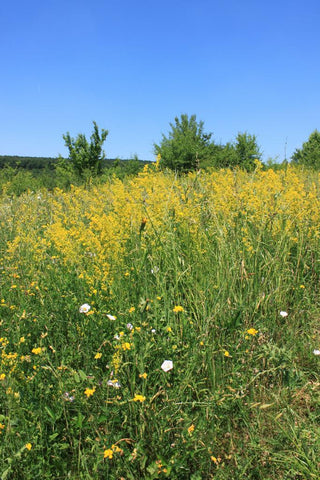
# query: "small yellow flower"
[[191, 429], [139, 398], [226, 353], [169, 329], [37, 350], [126, 346], [214, 459], [98, 355], [143, 375], [252, 331], [2, 376], [116, 449], [28, 446], [302, 286], [131, 309], [89, 391], [108, 453], [22, 340], [178, 309]]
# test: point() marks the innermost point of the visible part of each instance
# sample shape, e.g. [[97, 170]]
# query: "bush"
[[186, 146], [84, 157], [309, 154]]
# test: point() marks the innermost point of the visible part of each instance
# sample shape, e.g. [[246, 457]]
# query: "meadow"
[[162, 327]]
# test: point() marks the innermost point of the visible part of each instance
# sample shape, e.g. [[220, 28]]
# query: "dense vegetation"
[[186, 148], [162, 326]]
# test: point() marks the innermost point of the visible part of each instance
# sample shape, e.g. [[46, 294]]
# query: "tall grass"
[[101, 285]]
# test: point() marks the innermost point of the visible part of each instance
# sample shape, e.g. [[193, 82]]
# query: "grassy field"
[[162, 327]]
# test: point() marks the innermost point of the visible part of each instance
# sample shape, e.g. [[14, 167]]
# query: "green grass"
[[234, 405]]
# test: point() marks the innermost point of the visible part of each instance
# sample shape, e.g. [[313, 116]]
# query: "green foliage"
[[36, 164], [235, 405], [186, 146], [14, 181], [309, 154], [247, 151], [86, 158]]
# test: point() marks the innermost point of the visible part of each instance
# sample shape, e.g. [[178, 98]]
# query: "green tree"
[[86, 158], [247, 151], [309, 154], [186, 146]]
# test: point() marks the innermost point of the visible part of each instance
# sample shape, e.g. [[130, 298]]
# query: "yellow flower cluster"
[[89, 229]]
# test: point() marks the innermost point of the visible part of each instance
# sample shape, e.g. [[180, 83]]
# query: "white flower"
[[113, 383], [84, 308], [153, 330], [167, 365], [154, 270], [316, 352], [68, 398], [129, 326], [111, 317], [283, 314]]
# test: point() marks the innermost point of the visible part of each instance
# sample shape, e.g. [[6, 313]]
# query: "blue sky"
[[132, 66]]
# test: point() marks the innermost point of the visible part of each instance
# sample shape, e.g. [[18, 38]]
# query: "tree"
[[85, 156], [247, 151], [309, 154], [186, 146]]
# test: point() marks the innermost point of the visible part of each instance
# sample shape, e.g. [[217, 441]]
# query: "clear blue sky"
[[132, 66]]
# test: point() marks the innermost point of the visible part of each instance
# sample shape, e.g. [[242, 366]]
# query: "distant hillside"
[[48, 163]]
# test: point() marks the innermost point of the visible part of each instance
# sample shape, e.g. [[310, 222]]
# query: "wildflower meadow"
[[162, 326]]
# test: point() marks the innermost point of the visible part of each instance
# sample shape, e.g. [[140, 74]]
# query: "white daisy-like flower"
[[167, 365], [316, 352], [283, 314], [84, 308], [114, 383], [111, 317]]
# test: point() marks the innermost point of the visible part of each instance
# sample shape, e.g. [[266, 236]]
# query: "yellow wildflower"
[[89, 391], [37, 350], [98, 355], [108, 453], [178, 309], [252, 331], [28, 446], [226, 353], [116, 449], [139, 398], [2, 376], [143, 375], [191, 429]]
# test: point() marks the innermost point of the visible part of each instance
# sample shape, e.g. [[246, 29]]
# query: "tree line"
[[184, 148], [188, 147]]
